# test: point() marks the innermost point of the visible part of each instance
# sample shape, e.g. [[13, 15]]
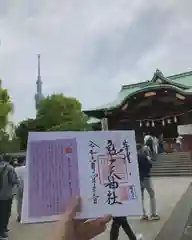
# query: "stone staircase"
[[173, 164]]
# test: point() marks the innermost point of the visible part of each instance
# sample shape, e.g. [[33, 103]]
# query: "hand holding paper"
[[100, 167], [69, 229]]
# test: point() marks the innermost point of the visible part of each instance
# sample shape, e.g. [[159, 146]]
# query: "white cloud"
[[89, 48]]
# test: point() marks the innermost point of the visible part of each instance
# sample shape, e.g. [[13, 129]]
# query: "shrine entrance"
[[155, 112], [156, 106]]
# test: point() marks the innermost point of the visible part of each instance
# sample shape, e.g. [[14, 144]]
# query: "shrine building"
[[154, 106]]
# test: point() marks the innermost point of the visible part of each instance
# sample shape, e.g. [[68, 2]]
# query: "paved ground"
[[168, 192]]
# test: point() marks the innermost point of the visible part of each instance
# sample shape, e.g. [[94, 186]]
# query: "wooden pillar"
[[104, 123]]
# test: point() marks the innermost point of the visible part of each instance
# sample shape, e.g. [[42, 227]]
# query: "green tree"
[[23, 129], [12, 144], [55, 113], [6, 107], [60, 113], [7, 144]]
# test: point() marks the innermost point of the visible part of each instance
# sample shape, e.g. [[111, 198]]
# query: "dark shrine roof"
[[181, 83]]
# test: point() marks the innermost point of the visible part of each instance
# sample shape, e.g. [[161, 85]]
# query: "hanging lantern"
[[175, 119], [163, 122], [140, 124], [147, 124], [153, 124], [168, 121]]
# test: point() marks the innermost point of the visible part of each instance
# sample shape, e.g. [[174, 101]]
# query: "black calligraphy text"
[[93, 147], [112, 184]]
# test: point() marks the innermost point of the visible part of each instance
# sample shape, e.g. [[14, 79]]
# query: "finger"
[[73, 208], [92, 228], [104, 219], [100, 221]]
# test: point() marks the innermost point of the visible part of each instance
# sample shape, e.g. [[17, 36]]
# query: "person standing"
[[147, 151], [8, 179], [161, 144], [155, 147], [145, 165], [122, 222], [20, 171], [179, 141], [147, 137]]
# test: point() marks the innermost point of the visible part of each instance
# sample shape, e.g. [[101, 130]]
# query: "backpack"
[[1, 176]]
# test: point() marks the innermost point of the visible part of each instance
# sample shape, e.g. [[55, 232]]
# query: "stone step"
[[174, 155], [172, 171], [169, 163], [172, 161], [173, 164], [172, 168], [173, 174]]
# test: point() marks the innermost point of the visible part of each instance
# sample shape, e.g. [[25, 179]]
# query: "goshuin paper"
[[101, 167]]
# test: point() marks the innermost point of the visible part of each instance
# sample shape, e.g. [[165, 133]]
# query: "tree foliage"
[[22, 130], [55, 113], [7, 144], [6, 107], [61, 113]]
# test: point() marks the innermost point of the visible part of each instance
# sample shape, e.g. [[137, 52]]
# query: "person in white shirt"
[[20, 171], [155, 144], [179, 141], [146, 137]]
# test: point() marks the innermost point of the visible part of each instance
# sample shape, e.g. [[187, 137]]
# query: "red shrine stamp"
[[120, 168]]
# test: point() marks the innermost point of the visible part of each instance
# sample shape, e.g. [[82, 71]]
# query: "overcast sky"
[[90, 48]]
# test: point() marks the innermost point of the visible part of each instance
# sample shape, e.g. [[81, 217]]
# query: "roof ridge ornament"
[[158, 75]]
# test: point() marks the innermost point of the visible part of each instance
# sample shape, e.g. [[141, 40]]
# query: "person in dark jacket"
[[145, 165], [8, 179]]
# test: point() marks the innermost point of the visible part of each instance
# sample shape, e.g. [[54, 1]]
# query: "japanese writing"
[[68, 152], [126, 150], [132, 192], [113, 178], [92, 153], [112, 151], [69, 167], [54, 179]]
